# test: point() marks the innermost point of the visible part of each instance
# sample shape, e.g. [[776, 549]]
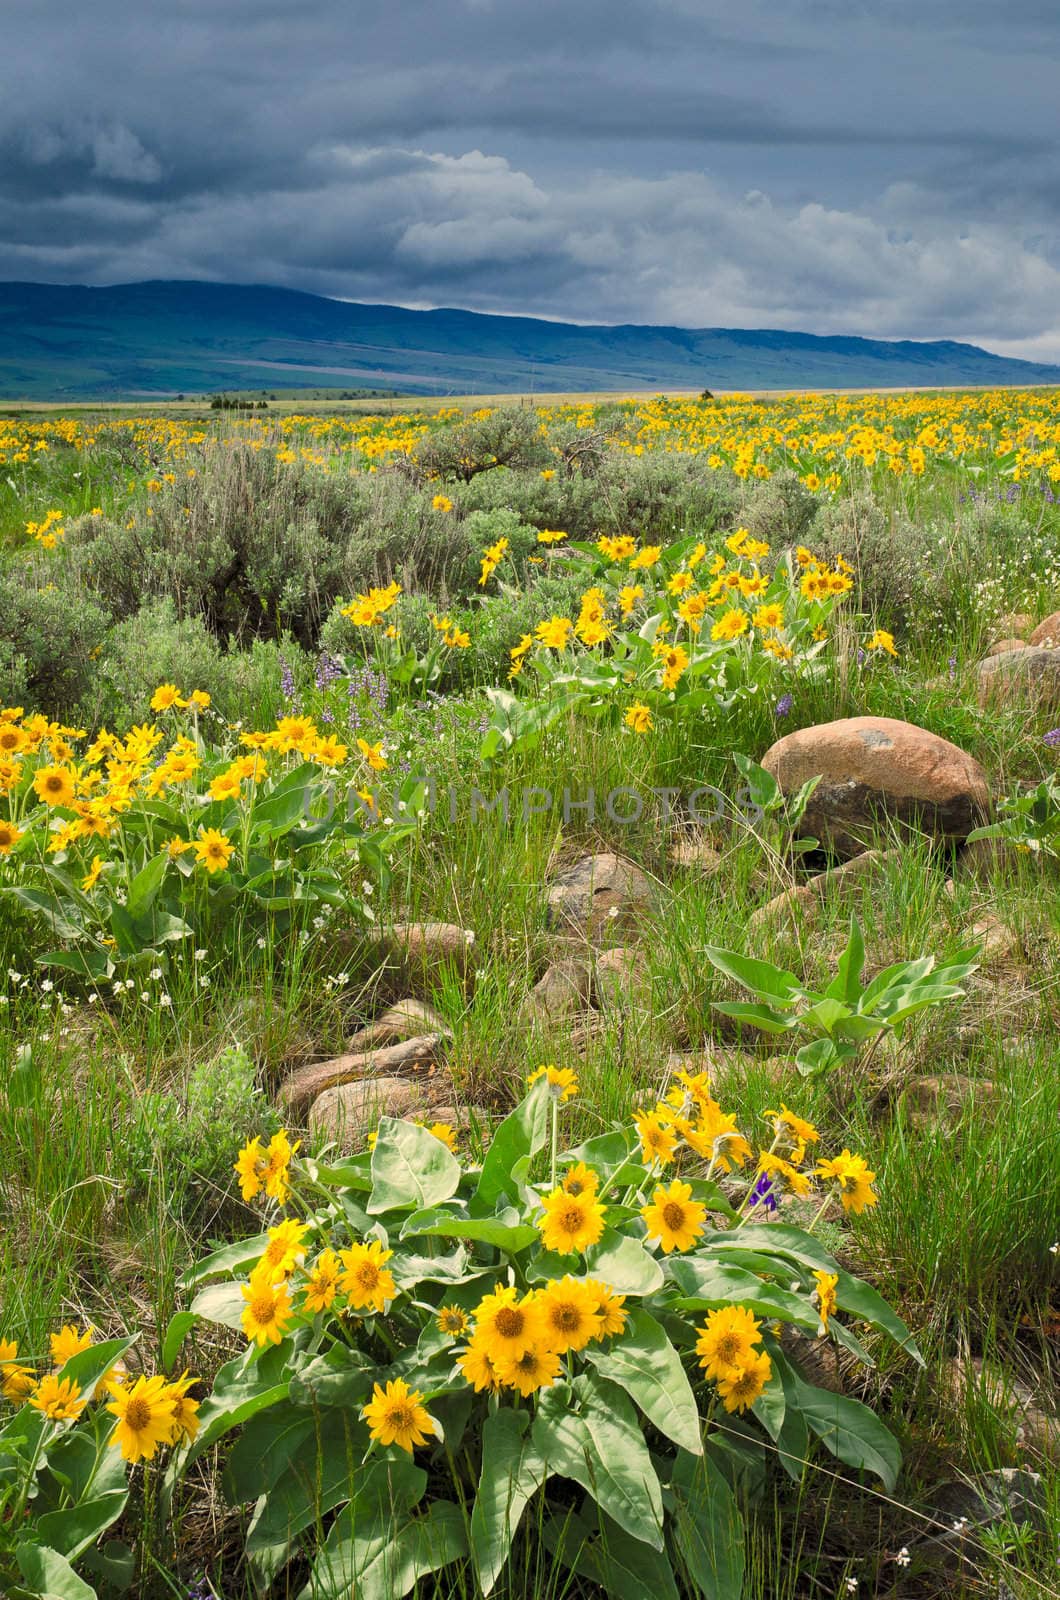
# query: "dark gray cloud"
[[876, 166]]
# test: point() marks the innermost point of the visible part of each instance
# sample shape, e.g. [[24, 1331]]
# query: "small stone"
[[561, 991], [1002, 645], [429, 948], [1029, 676], [349, 1112], [412, 1056], [1014, 624], [692, 850], [622, 980], [802, 903], [408, 1019], [600, 895], [1048, 631], [942, 1099]]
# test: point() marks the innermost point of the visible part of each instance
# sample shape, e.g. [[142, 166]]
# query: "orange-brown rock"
[[879, 771]]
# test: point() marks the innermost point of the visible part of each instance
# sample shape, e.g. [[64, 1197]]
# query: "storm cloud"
[[888, 168]]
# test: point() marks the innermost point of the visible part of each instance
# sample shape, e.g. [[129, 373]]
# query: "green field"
[[266, 676]]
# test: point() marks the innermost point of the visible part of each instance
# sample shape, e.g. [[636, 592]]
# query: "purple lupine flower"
[[286, 679], [1052, 738], [861, 658], [953, 666], [763, 1194], [783, 706]]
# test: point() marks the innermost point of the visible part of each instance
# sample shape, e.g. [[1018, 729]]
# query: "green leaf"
[[410, 1168], [846, 985], [230, 1258], [708, 1528], [115, 1564], [623, 1264], [759, 1016], [512, 1473], [644, 1362], [318, 1475], [378, 1552], [71, 1530], [611, 1156], [60, 915], [180, 1325], [705, 1283], [242, 1388], [259, 1456], [145, 886], [89, 1366], [622, 1566], [518, 1139], [850, 1431], [818, 1056], [50, 1575], [590, 1432], [222, 1303], [759, 976], [505, 1231]]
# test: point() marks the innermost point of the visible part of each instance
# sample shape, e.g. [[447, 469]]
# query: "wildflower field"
[[529, 986]]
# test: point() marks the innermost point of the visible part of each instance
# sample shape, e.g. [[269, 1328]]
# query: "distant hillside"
[[68, 342]]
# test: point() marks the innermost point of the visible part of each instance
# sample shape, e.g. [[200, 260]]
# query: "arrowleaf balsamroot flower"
[[268, 1309], [825, 1296], [322, 1282], [562, 1083], [746, 1383], [657, 1139], [285, 1249], [213, 850], [855, 1180], [507, 1324], [453, 1321], [16, 1380], [60, 1399], [395, 1416], [727, 1341], [367, 1281], [68, 1342], [265, 1168], [478, 1366], [537, 1368], [571, 1314], [571, 1221], [145, 1414], [674, 1218]]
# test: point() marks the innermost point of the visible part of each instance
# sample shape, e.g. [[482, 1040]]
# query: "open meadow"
[[529, 961]]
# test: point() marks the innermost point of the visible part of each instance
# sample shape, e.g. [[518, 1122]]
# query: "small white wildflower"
[[204, 982], [902, 1558], [164, 1000], [261, 941], [367, 888], [852, 1586], [960, 1525], [93, 997], [469, 937], [16, 977], [47, 986], [1054, 1249], [154, 974], [613, 911], [200, 955], [145, 994]]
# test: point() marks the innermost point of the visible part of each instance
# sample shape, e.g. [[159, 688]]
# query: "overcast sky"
[[884, 167]]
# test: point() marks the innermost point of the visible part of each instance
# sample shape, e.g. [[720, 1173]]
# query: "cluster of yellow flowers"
[[49, 531], [88, 795], [368, 609], [744, 601], [149, 1412], [691, 1118]]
